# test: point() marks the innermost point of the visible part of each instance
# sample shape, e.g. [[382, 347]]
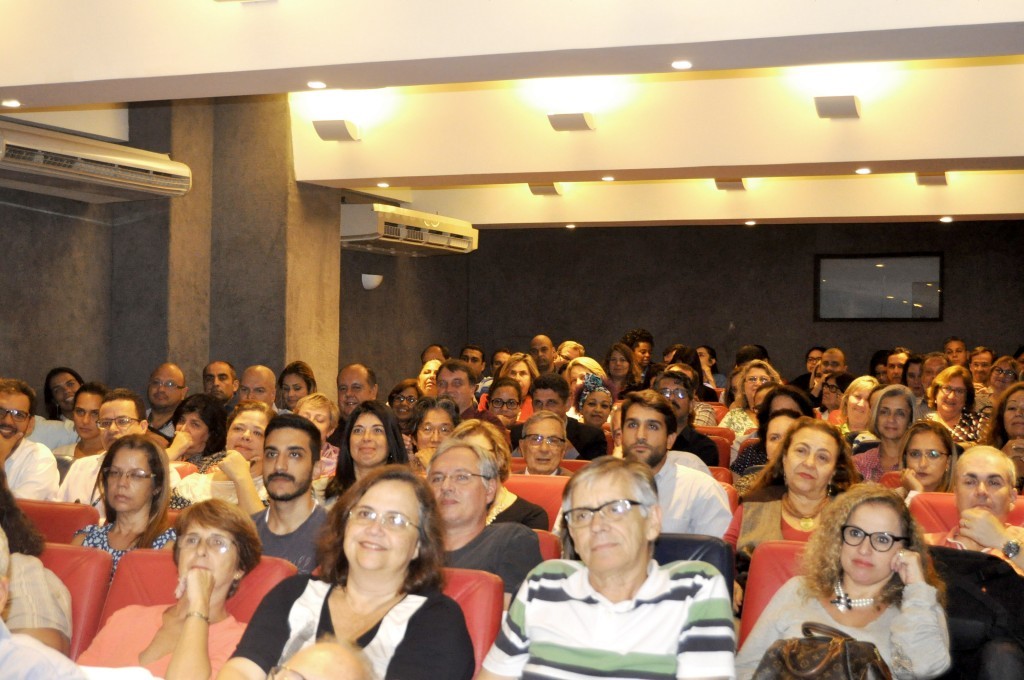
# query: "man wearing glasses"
[[464, 479], [615, 612], [543, 444], [678, 388], [31, 468], [166, 390], [550, 392]]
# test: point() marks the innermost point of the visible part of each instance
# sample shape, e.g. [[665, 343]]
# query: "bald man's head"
[[258, 384]]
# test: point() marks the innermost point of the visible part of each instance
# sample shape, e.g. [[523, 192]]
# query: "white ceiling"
[[457, 132]]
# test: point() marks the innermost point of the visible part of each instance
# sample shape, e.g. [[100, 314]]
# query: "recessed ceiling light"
[[316, 84], [879, 265], [750, 223], [947, 219], [863, 171], [890, 297], [607, 178], [10, 103], [383, 185], [570, 226], [682, 65]]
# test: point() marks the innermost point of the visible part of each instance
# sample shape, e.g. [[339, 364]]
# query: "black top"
[[526, 513], [435, 645], [698, 444], [588, 440]]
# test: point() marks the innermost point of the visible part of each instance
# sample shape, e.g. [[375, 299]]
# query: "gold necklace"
[[806, 522]]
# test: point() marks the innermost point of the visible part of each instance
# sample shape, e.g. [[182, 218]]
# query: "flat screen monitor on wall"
[[878, 287]]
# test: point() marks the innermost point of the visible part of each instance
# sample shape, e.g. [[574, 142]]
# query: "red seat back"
[[575, 465], [58, 522], [722, 474], [184, 468], [720, 409], [86, 573], [892, 479], [724, 449], [734, 496], [937, 512], [543, 491], [772, 564], [148, 577], [550, 545], [717, 431], [518, 465], [481, 595]]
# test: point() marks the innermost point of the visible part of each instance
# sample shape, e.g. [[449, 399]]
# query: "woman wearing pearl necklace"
[[867, 573]]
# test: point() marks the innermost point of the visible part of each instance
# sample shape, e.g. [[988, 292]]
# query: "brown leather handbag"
[[823, 653]]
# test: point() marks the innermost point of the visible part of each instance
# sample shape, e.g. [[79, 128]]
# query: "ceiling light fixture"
[[383, 185], [570, 226], [843, 106], [607, 178], [316, 84], [548, 189], [731, 184], [930, 179], [946, 220], [682, 65], [750, 223], [571, 122], [10, 103], [337, 130], [863, 171]]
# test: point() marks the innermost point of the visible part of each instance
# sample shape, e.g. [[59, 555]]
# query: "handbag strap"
[[815, 629]]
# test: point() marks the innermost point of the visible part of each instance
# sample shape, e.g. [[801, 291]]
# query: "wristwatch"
[[1011, 549]]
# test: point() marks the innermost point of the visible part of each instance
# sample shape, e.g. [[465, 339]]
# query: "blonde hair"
[[773, 376], [491, 434], [591, 365], [859, 383], [320, 400]]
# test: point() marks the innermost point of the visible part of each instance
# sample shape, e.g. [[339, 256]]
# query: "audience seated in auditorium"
[[85, 414], [691, 502], [457, 381], [855, 407], [778, 398], [711, 375], [813, 376], [434, 353], [543, 444], [201, 425], [220, 380], [134, 481], [504, 399], [433, 420], [894, 363], [521, 368], [427, 377], [39, 605], [30, 466], [324, 413], [867, 573], [371, 440], [677, 388], [592, 400], [543, 352], [59, 389], [955, 350], [379, 588], [295, 382], [615, 612], [1004, 372], [1005, 428], [952, 397], [688, 361], [474, 356], [288, 528], [623, 371], [463, 477], [929, 457], [356, 383], [258, 383], [401, 400], [216, 547], [742, 417], [550, 392], [892, 411], [166, 389], [23, 656], [507, 506]]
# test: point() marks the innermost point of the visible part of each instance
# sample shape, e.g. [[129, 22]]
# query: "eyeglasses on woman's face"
[[881, 541]]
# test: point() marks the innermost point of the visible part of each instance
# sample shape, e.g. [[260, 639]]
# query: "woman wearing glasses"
[[928, 455], [379, 588], [401, 400], [611, 610], [742, 417], [867, 573], [1006, 427], [432, 421], [1005, 371], [192, 638], [952, 396], [133, 480]]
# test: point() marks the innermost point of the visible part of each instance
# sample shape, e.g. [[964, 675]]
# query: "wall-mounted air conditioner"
[[83, 169], [380, 228]]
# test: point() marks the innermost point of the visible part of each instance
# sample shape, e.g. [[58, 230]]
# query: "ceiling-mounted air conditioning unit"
[[83, 169], [380, 228]]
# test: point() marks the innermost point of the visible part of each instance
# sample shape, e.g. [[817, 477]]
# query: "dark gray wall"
[[724, 286]]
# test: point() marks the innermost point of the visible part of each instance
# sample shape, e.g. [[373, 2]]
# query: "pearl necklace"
[[843, 602]]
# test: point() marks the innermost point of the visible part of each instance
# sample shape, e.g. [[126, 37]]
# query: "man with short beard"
[[291, 460]]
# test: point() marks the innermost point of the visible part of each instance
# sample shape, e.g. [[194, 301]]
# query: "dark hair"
[[995, 434], [96, 388], [15, 386], [427, 404], [217, 513], [506, 382], [670, 352], [211, 411], [234, 371], [345, 475], [49, 402], [444, 352], [293, 421], [474, 347], [649, 399], [458, 366], [843, 381], [553, 382], [816, 348], [500, 350], [844, 476], [22, 535], [913, 359], [953, 338], [425, 570], [122, 394], [301, 369], [750, 352], [158, 466], [636, 336], [765, 411], [402, 387], [712, 354]]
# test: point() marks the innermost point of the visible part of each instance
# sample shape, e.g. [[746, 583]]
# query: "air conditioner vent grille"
[[96, 169]]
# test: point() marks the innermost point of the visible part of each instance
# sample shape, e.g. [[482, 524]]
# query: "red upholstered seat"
[[734, 496], [722, 474], [86, 573], [891, 479], [543, 491], [58, 522], [720, 409], [724, 449], [772, 564], [937, 512], [148, 577], [717, 431], [550, 545], [482, 598], [575, 465], [518, 465], [184, 468]]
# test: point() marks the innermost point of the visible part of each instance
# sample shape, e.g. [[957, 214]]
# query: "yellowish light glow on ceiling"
[[593, 94], [366, 108], [867, 81]]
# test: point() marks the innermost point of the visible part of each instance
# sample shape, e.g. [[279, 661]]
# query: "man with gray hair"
[[464, 479], [543, 444]]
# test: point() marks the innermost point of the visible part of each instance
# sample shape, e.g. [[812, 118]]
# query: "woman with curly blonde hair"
[[867, 573], [742, 417]]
